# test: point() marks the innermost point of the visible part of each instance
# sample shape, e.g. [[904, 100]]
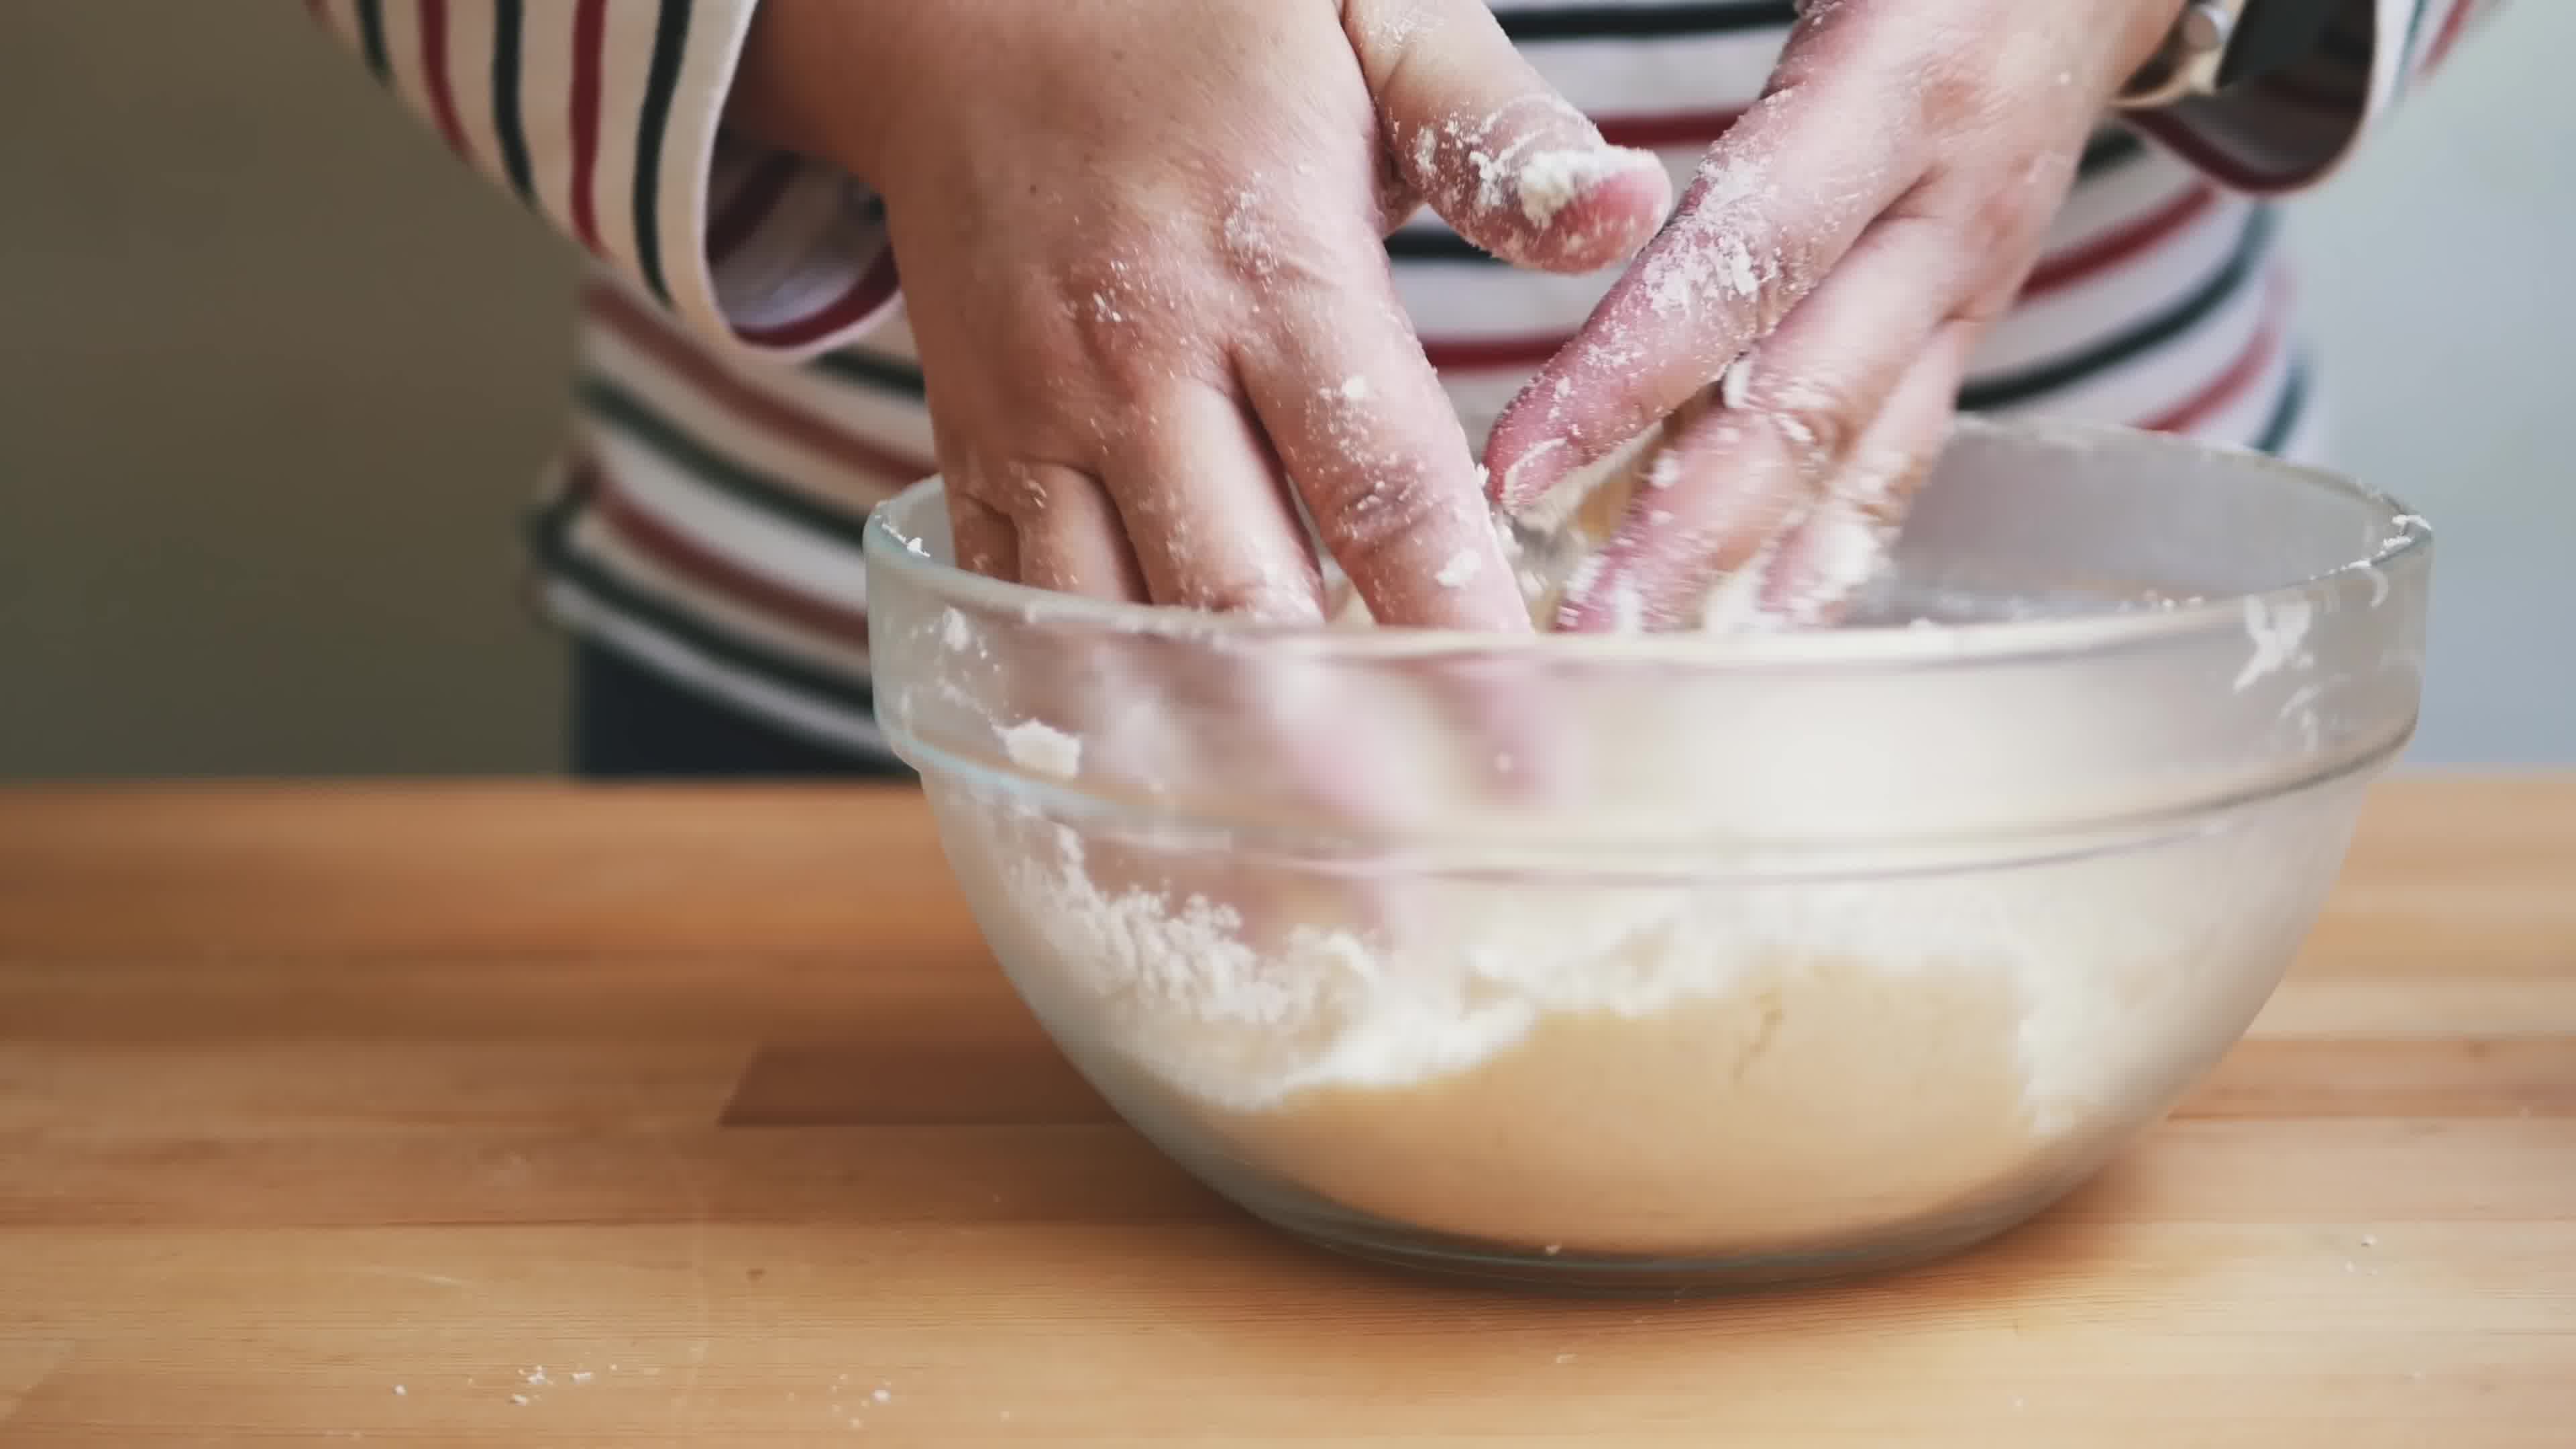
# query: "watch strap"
[[2273, 35]]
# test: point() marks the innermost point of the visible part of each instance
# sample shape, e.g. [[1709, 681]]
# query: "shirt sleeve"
[[2291, 129], [606, 117]]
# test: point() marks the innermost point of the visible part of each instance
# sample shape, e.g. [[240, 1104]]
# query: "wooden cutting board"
[[532, 1115]]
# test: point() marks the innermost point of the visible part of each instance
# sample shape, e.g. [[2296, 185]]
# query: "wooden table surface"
[[522, 1114]]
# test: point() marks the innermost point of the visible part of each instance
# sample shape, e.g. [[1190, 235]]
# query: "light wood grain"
[[658, 1117]]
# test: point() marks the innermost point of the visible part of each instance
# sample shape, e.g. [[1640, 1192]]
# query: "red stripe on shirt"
[[2228, 386], [2452, 26], [647, 333], [684, 556], [1491, 354], [1681, 128], [433, 74], [866, 295], [750, 205], [589, 41], [2120, 244]]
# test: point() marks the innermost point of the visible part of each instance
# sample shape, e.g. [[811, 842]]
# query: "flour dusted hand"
[[1140, 255], [1816, 299]]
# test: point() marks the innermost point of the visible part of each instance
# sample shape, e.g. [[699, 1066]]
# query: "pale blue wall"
[[2440, 271]]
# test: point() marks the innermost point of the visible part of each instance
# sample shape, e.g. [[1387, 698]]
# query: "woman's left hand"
[[1837, 257]]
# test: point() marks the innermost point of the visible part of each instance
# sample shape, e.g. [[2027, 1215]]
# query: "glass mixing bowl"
[[1652, 963]]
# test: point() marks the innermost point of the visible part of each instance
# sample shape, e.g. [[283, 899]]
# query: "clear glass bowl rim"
[[2404, 549]]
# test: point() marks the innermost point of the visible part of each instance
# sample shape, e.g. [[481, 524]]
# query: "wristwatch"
[[2217, 45]]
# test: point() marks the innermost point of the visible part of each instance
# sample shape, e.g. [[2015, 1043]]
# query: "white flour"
[[1356, 1002], [1550, 181], [1696, 1060], [1487, 1057], [1691, 1059], [1037, 745]]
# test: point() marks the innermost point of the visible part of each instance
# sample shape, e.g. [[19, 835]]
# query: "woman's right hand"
[[1140, 247]]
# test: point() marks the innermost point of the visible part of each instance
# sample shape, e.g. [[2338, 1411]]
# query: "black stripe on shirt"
[[1422, 244], [1632, 22], [2192, 309], [550, 538], [670, 41], [509, 19], [371, 38], [873, 370], [2284, 420], [2110, 148], [632, 417]]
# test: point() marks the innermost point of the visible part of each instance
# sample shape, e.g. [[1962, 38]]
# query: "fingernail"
[[1529, 477], [1550, 181]]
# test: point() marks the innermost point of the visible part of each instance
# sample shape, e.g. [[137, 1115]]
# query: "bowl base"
[[1595, 1275]]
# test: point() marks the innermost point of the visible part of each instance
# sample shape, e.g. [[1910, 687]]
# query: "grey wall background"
[[2436, 274], [275, 376]]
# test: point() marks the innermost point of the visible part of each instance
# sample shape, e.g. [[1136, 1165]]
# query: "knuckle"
[[1258, 244], [1111, 320], [1989, 302], [1256, 597], [1368, 516], [2002, 218], [1013, 490], [1951, 92], [1248, 583], [1878, 487], [1817, 416]]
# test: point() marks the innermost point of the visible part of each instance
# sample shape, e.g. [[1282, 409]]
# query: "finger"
[[1820, 378], [1496, 151], [1073, 543], [1822, 565], [1207, 514], [1791, 411], [1375, 450], [1776, 204], [1512, 730], [982, 537]]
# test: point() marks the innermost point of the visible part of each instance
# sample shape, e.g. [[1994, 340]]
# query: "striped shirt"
[[749, 390]]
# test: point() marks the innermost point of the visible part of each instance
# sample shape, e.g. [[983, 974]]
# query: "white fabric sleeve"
[[2291, 129], [605, 117]]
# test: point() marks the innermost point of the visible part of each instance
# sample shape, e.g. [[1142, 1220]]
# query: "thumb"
[[1495, 150]]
